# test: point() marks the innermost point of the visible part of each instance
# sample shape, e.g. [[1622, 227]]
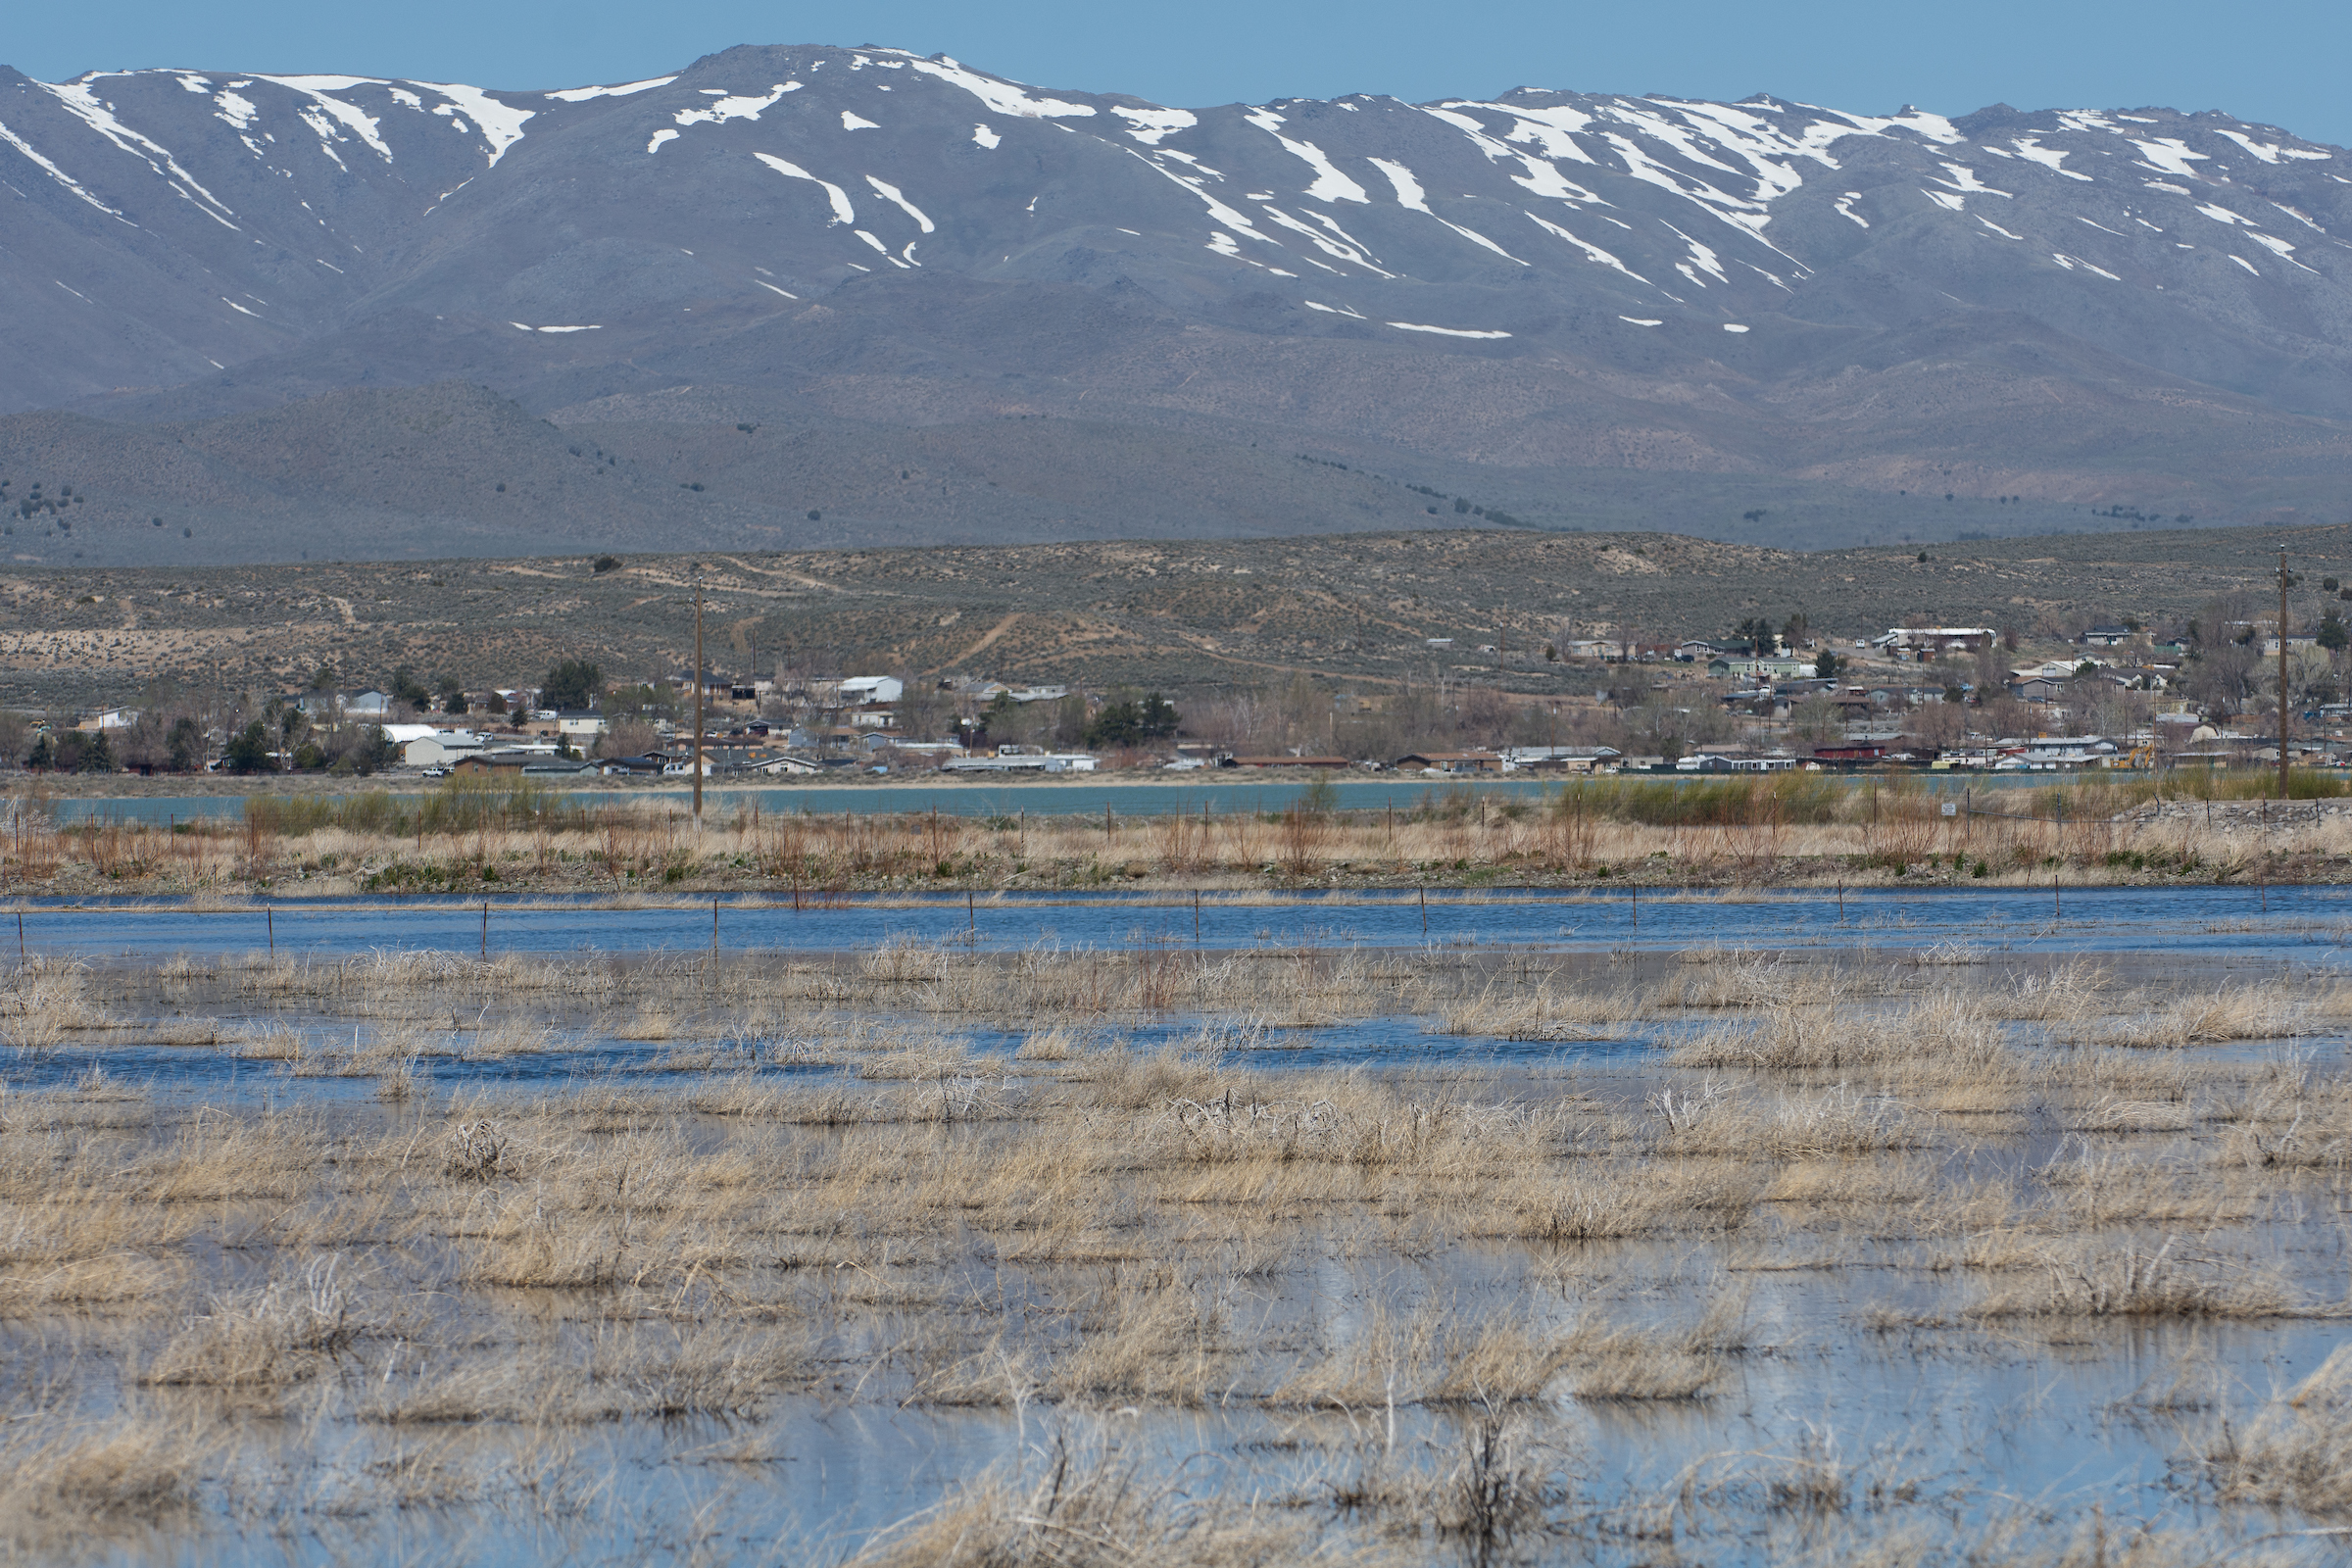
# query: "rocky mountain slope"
[[799, 297]]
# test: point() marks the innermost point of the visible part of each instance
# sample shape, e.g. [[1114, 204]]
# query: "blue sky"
[[2281, 64]]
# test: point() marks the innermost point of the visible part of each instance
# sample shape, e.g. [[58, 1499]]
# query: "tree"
[[2331, 634], [249, 749], [454, 703], [1815, 720], [186, 743], [629, 737], [406, 688], [1129, 722], [323, 679], [1827, 664], [1757, 632], [374, 750], [573, 684]]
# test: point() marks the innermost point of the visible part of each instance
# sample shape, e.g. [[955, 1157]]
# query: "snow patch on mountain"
[[1150, 126], [843, 212], [2053, 158], [99, 116], [1593, 252], [1443, 331], [56, 173], [1330, 185], [580, 95], [892, 194], [2169, 155], [1002, 97], [735, 107]]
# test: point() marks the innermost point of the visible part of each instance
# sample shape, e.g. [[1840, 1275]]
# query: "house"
[[368, 705], [436, 747], [578, 724], [1010, 761], [1936, 639], [1437, 641], [2107, 637], [2039, 689], [860, 690], [1560, 759], [1772, 667], [1450, 763], [519, 759], [779, 765], [1852, 752], [1284, 761]]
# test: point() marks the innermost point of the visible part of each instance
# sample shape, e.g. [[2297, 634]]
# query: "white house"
[[368, 705], [1938, 639], [435, 748], [580, 724], [862, 689]]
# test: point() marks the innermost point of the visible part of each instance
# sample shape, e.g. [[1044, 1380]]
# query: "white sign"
[[1951, 808]]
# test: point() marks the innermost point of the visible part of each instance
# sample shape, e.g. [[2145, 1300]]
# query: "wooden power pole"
[[2282, 675], [700, 706]]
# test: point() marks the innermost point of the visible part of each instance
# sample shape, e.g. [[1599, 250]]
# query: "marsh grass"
[[2296, 1450], [1205, 1227]]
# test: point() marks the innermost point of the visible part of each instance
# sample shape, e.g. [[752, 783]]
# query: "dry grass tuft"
[[280, 1334], [1086, 1505], [2297, 1451]]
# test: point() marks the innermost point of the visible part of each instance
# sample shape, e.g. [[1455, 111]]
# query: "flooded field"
[[1924, 1228]]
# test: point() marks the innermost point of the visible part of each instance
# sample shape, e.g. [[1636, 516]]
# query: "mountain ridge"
[[1569, 307]]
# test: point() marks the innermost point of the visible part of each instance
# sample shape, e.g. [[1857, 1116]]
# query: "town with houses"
[[1768, 699]]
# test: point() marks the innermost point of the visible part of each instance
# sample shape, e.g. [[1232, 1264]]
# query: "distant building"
[[437, 748], [2107, 637], [1936, 639], [1450, 762], [1285, 762], [1560, 759], [1023, 762], [1775, 667]]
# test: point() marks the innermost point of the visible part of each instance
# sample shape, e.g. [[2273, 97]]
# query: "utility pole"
[[698, 704], [2282, 676]]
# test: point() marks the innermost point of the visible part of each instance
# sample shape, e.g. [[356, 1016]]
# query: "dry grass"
[[1087, 1505], [1200, 1227], [2297, 1451]]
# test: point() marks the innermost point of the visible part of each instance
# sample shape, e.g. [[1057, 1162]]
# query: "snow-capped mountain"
[[2076, 307]]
